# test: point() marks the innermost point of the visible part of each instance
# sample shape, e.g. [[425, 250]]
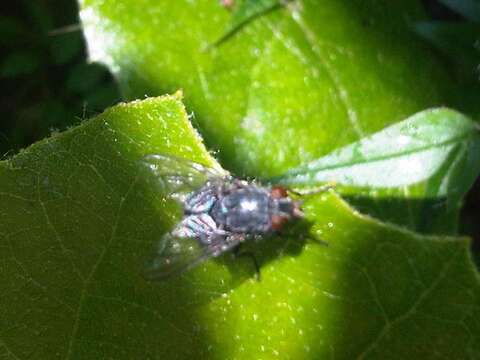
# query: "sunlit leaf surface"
[[294, 81]]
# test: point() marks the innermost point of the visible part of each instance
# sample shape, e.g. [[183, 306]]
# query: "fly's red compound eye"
[[228, 4], [278, 192], [278, 222]]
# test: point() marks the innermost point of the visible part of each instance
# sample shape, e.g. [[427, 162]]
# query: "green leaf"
[[246, 11], [68, 204], [435, 150], [403, 154], [78, 216], [288, 82], [291, 85]]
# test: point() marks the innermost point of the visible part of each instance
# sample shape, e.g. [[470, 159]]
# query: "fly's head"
[[285, 208]]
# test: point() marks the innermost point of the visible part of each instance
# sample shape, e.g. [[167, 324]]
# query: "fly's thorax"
[[245, 210]]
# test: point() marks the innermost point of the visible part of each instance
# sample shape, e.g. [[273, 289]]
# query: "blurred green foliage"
[[47, 83], [454, 31]]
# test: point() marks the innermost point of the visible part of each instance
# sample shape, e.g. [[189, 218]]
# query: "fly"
[[219, 213]]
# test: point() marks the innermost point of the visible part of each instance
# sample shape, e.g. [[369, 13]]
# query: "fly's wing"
[[177, 175], [176, 255]]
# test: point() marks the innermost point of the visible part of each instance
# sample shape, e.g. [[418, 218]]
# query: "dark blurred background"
[[48, 85], [46, 82]]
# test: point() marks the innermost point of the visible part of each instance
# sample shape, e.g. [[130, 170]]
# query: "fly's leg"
[[200, 227], [232, 185], [321, 189], [319, 241], [238, 253], [239, 183], [314, 239]]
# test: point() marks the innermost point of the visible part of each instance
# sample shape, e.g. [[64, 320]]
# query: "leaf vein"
[[312, 40], [94, 270], [411, 311]]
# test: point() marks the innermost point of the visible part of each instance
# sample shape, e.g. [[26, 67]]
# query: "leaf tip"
[[178, 94]]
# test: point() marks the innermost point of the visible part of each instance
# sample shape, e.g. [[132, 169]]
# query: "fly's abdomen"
[[244, 211]]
